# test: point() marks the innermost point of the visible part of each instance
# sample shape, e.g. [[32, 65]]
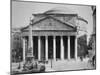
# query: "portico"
[[51, 36], [47, 46]]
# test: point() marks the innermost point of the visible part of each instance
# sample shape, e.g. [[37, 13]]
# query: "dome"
[[60, 10]]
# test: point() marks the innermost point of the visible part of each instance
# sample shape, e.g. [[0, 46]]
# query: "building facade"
[[51, 35], [94, 28]]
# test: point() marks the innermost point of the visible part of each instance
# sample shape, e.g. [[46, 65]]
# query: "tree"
[[82, 46], [16, 47]]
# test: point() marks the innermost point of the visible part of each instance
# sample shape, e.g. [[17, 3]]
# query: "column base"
[[68, 59], [54, 60], [75, 58], [62, 59], [45, 61]]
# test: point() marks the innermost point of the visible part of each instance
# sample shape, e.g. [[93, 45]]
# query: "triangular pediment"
[[50, 23]]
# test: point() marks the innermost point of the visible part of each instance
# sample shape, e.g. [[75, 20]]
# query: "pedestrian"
[[81, 58], [93, 60]]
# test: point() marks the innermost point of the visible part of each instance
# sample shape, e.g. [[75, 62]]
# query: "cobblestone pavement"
[[68, 65], [62, 65]]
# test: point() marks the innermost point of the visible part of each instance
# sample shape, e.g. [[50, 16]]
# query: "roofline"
[[47, 17], [52, 14], [62, 22], [54, 30], [33, 23]]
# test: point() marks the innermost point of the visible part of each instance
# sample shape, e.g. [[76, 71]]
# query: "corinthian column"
[[68, 47], [76, 47], [62, 48], [54, 47], [46, 48], [23, 49], [39, 48]]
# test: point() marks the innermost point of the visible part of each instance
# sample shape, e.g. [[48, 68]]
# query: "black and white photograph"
[[52, 37]]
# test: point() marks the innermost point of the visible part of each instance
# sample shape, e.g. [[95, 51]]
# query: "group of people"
[[92, 57], [29, 64]]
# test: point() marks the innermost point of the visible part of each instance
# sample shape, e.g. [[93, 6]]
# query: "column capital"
[[54, 37], [46, 37], [68, 36], [61, 36], [23, 37], [76, 36], [39, 36]]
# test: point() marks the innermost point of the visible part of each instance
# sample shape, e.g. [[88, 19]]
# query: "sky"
[[22, 11]]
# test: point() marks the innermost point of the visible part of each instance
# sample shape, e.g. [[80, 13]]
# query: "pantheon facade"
[[51, 35]]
